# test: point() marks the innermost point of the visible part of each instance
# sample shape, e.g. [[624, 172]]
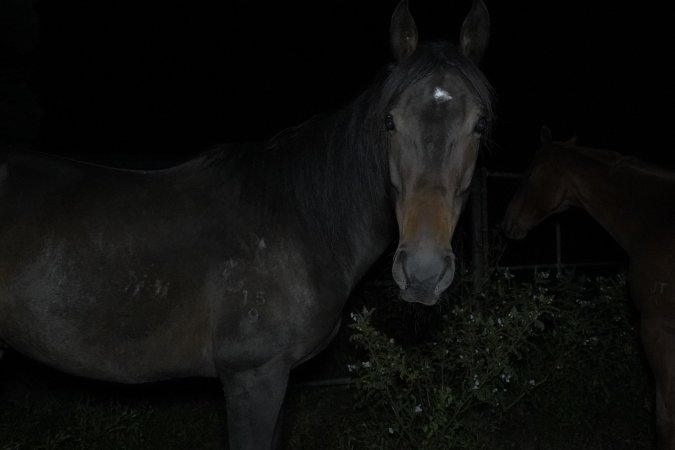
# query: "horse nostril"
[[448, 274], [398, 270]]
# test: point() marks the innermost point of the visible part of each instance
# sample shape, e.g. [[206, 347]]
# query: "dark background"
[[149, 83]]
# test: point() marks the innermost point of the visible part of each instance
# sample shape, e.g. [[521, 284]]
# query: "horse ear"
[[403, 32], [475, 31], [546, 137], [572, 140]]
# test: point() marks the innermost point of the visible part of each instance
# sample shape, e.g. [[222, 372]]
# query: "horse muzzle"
[[514, 230], [423, 273]]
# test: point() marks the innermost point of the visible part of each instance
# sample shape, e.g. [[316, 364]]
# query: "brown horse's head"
[[543, 192], [434, 125]]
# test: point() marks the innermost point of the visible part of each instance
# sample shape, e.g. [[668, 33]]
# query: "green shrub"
[[544, 361]]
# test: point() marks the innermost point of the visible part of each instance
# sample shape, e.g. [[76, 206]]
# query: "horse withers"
[[634, 202], [237, 263]]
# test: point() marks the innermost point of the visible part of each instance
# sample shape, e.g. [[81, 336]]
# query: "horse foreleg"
[[254, 400], [658, 338]]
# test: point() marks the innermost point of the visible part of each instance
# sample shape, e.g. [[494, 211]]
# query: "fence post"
[[558, 248], [479, 227]]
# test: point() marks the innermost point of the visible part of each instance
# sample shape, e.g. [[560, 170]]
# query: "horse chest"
[[268, 303]]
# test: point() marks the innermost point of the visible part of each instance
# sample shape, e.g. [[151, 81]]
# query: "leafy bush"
[[539, 361]]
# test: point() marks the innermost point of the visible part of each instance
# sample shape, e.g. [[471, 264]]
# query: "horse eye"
[[389, 122], [481, 125]]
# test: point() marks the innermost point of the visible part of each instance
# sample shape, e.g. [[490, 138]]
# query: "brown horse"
[[635, 203]]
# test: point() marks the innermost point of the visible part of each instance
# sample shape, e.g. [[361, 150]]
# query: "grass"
[[50, 411], [43, 409]]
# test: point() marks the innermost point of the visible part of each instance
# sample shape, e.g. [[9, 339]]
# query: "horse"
[[634, 202], [236, 264]]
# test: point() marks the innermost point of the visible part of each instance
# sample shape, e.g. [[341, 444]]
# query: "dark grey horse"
[[237, 263]]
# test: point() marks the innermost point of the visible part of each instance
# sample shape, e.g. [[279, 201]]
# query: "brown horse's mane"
[[619, 160]]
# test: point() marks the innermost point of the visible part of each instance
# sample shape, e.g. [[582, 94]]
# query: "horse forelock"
[[433, 57]]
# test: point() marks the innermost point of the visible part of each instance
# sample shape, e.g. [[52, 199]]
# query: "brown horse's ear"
[[546, 137], [475, 32], [403, 32]]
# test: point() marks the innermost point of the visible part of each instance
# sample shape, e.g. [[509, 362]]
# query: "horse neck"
[[618, 198], [346, 204]]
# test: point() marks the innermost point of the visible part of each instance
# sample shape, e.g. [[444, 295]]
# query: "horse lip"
[[415, 297], [515, 231], [422, 291]]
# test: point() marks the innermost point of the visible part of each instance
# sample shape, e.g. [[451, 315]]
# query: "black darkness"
[[139, 83]]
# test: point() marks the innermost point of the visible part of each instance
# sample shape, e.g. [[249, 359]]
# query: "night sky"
[[136, 83]]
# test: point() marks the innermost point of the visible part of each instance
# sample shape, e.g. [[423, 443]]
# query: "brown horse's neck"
[[629, 201]]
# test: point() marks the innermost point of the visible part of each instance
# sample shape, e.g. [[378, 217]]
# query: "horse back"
[[100, 273]]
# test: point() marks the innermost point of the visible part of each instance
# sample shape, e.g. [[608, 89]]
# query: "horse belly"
[[99, 317]]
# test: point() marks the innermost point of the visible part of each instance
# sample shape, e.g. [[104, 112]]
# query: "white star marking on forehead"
[[441, 95]]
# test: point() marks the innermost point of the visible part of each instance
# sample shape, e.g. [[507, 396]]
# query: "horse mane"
[[620, 160], [332, 171], [325, 171]]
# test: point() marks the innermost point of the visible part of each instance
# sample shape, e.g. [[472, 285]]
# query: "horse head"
[[544, 191], [434, 124]]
